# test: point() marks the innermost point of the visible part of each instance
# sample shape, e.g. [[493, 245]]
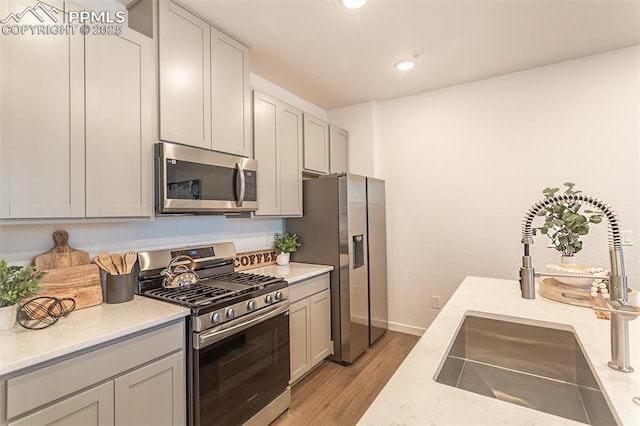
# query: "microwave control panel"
[[251, 184]]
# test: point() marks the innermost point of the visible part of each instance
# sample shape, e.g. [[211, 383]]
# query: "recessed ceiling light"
[[353, 4], [405, 64]]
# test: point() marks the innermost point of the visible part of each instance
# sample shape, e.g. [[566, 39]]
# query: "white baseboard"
[[408, 329]]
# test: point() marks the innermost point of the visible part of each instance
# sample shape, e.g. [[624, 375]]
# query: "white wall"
[[276, 91], [358, 120], [19, 244], [463, 164]]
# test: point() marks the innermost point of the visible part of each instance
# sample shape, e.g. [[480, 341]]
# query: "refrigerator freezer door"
[[376, 224]]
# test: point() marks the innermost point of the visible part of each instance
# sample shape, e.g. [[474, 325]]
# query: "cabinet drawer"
[[41, 386], [308, 287]]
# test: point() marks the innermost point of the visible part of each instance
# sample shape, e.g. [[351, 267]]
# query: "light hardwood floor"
[[338, 395]]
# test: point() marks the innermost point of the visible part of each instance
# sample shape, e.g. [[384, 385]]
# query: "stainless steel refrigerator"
[[343, 225]]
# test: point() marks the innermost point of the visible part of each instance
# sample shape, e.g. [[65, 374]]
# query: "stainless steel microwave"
[[201, 181]]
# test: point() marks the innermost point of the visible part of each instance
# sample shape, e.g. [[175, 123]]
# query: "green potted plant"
[[564, 224], [16, 282], [286, 244]]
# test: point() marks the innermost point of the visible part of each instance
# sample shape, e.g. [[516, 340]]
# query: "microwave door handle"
[[242, 184]]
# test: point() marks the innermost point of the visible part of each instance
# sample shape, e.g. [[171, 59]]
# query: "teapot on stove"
[[180, 272]]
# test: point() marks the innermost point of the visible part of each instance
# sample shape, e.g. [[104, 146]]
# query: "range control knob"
[[268, 298], [279, 296], [231, 313], [251, 305], [215, 318]]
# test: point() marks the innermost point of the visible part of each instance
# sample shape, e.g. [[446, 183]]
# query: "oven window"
[[196, 181], [242, 374]]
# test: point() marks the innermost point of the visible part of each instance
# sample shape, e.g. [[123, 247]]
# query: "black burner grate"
[[192, 296], [248, 279]]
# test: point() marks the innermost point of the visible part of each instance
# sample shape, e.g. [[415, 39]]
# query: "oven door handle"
[[210, 337]]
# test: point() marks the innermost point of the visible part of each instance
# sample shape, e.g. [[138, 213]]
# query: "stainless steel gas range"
[[237, 335]]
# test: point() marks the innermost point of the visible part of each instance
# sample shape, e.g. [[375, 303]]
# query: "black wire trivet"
[[41, 312]]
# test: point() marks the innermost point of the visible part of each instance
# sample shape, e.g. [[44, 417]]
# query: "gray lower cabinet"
[[310, 325], [91, 408], [138, 380]]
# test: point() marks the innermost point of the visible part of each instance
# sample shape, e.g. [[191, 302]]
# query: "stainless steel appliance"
[[201, 181], [237, 336], [344, 226]]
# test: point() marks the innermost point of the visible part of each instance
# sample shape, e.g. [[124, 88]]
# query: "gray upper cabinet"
[[205, 99], [119, 136], [230, 95], [338, 150], [75, 119], [316, 145], [278, 149], [41, 122], [184, 74]]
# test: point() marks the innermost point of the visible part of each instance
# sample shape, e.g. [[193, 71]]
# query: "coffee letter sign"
[[254, 259]]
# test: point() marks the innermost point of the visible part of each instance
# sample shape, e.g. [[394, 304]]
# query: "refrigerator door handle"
[[358, 251]]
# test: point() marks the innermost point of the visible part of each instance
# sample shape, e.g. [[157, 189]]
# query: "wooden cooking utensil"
[[100, 265], [107, 263], [118, 262], [130, 259], [61, 255]]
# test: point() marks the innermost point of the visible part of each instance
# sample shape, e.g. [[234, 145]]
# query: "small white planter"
[[8, 315], [283, 259]]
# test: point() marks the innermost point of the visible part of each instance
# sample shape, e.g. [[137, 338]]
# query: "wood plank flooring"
[[338, 395]]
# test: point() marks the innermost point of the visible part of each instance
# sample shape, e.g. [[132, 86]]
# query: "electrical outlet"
[[627, 238], [435, 302]]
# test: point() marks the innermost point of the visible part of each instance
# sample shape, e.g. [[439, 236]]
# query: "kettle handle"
[[182, 258]]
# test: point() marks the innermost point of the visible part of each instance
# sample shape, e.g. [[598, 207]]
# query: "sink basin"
[[534, 364]]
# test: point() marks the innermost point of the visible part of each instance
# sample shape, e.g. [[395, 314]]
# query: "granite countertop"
[[21, 348], [293, 272], [413, 397]]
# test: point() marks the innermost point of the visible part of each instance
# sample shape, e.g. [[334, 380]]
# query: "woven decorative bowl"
[[566, 268]]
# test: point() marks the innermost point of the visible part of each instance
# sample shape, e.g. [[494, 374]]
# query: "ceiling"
[[334, 57]]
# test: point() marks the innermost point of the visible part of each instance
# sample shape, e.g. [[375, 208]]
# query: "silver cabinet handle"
[[210, 337], [242, 185]]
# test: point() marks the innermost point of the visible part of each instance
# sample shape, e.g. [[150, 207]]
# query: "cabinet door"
[[265, 151], [316, 145], [320, 311], [152, 395], [41, 121], [185, 70], [93, 407], [290, 164], [338, 150], [230, 95], [299, 329], [119, 103]]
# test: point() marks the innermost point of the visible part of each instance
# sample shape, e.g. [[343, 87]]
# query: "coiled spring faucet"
[[621, 312]]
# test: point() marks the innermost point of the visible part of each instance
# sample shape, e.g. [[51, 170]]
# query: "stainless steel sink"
[[534, 364]]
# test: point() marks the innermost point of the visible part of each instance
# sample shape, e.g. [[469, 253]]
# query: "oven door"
[[239, 370]]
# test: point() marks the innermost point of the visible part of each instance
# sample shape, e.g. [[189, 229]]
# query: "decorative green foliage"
[[17, 282], [563, 222], [286, 243]]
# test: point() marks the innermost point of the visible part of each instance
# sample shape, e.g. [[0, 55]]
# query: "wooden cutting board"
[[82, 283], [61, 255], [69, 273]]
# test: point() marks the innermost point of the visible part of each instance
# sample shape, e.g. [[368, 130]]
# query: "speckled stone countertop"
[[21, 348], [293, 272], [413, 397]]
